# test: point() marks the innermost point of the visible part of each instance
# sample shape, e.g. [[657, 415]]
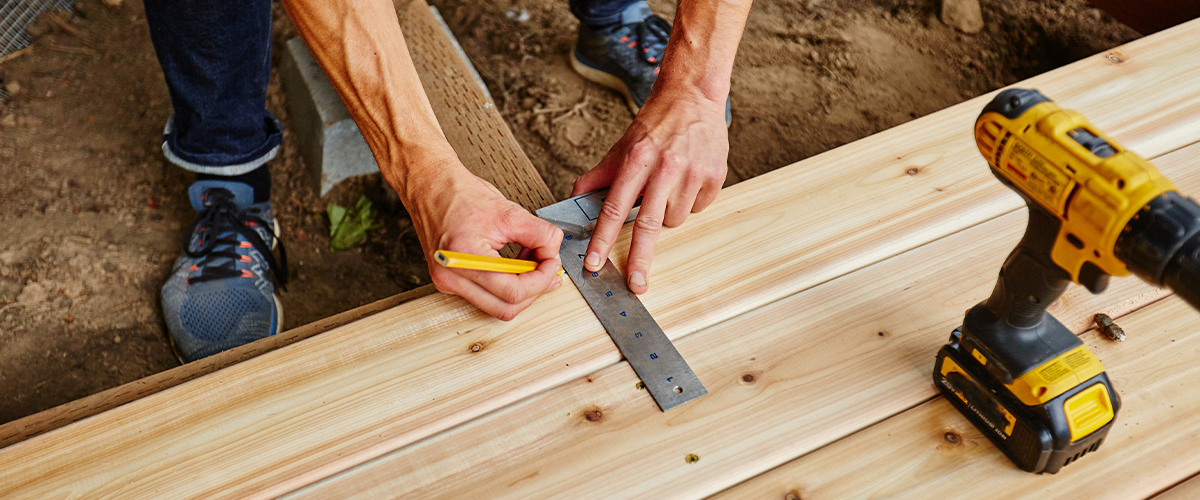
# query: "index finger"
[[517, 288], [616, 207]]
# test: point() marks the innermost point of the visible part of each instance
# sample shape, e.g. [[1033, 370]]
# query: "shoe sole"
[[603, 79], [609, 81]]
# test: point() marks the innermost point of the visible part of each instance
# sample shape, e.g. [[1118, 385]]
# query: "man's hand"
[[673, 156], [463, 213]]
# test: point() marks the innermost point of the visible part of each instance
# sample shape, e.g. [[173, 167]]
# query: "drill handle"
[[1029, 281]]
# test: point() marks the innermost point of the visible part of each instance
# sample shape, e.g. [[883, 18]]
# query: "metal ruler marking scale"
[[651, 354]]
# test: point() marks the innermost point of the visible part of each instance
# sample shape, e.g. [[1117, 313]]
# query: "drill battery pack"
[[1040, 438]]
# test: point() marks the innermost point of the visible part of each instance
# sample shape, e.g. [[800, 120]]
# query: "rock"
[[29, 121], [963, 15], [9, 120], [12, 87], [33, 294]]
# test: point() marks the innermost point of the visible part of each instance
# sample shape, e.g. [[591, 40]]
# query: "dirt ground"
[[92, 216]]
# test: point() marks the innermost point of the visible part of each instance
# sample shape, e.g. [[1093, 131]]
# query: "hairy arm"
[[359, 45], [674, 154]]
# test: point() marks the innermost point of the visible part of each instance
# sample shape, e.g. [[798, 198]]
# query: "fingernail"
[[636, 278], [592, 261], [556, 285]]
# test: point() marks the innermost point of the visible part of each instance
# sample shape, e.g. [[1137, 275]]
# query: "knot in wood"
[[748, 378], [1114, 57], [594, 415], [791, 495], [951, 437], [476, 347], [912, 171]]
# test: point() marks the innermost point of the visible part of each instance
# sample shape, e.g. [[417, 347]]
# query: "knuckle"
[[640, 153], [443, 283], [507, 313], [646, 223], [610, 210], [672, 162], [511, 292]]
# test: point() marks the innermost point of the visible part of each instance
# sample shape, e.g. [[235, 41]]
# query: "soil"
[[92, 216]]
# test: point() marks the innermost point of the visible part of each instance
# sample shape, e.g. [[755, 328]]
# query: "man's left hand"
[[673, 156]]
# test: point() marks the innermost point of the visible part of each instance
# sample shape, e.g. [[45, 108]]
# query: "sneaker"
[[219, 296], [626, 56]]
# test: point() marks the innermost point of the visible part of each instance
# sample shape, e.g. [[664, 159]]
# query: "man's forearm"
[[704, 40], [361, 48]]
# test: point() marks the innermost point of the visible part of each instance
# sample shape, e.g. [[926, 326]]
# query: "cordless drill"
[[1095, 210]]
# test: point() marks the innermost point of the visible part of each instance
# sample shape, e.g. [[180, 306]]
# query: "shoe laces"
[[653, 33], [217, 247]]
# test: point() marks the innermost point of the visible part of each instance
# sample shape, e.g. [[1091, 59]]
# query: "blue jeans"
[[216, 57]]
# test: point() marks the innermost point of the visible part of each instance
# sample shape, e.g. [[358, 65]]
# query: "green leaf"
[[348, 228]]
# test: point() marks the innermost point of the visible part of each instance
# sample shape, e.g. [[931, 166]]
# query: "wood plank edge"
[[45, 421]]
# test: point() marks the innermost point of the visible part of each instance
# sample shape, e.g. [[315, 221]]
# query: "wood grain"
[[48, 420], [932, 451], [822, 364], [478, 134], [1186, 490], [293, 416]]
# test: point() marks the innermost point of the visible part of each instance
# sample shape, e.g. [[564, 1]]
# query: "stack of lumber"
[[817, 352]]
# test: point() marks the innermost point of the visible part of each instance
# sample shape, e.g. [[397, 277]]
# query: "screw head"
[[691, 458]]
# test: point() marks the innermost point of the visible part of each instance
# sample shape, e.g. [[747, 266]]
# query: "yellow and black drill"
[[1095, 210]]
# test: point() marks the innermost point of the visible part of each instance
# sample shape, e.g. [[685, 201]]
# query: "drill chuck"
[[1161, 244]]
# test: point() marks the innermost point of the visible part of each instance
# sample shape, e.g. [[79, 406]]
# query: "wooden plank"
[[356, 393], [1187, 490], [470, 121], [932, 451], [823, 364], [476, 131], [61, 415]]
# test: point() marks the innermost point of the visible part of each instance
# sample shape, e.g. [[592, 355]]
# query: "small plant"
[[348, 227]]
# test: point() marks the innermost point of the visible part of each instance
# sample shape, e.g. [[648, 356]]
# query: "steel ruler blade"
[[651, 354]]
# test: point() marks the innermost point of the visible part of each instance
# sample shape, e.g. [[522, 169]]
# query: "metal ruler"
[[651, 354]]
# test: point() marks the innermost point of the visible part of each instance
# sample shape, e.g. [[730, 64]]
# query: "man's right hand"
[[463, 213]]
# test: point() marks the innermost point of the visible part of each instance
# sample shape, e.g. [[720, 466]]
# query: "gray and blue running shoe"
[[626, 56], [219, 295]]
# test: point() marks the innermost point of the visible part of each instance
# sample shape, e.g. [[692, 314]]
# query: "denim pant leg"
[[216, 57], [599, 12]]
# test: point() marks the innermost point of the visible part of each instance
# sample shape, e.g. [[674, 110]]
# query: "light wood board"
[[932, 451], [295, 415], [1187, 490], [823, 363]]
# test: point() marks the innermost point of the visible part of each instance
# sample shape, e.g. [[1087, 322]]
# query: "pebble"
[[33, 293], [12, 87], [9, 120], [963, 15]]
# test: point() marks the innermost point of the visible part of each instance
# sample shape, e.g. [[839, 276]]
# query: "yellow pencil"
[[483, 263]]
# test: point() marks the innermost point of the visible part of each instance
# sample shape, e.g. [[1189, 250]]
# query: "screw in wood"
[[691, 458], [1108, 327]]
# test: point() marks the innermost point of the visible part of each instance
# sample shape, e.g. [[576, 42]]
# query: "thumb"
[[600, 176], [532, 233]]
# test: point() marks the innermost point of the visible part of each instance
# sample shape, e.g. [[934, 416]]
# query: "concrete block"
[[330, 141], [332, 146]]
